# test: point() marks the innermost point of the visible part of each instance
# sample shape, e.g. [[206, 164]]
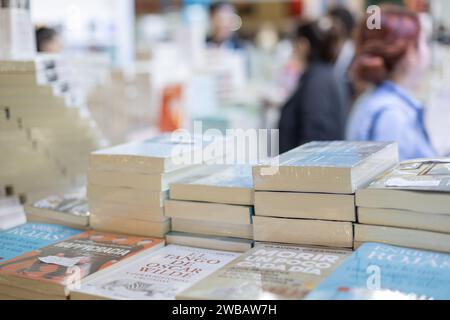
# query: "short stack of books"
[[69, 210], [408, 206], [306, 196], [11, 213], [213, 211], [129, 183], [159, 276], [52, 272], [269, 272]]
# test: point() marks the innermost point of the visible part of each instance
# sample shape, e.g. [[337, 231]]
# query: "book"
[[269, 272], [417, 239], [316, 206], [131, 226], [203, 211], [404, 219], [233, 185], [56, 269], [31, 236], [11, 213], [160, 276], [158, 155], [209, 242], [122, 211], [209, 228], [303, 232], [384, 272], [71, 210], [326, 167], [417, 185]]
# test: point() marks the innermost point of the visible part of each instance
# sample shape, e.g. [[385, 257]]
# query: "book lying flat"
[[11, 213], [404, 219], [213, 212], [410, 238], [209, 242], [304, 232], [208, 228], [56, 269], [31, 236], [131, 226], [318, 206], [234, 185], [417, 185], [71, 209], [158, 155], [326, 167], [130, 211], [160, 276], [269, 272], [384, 272]]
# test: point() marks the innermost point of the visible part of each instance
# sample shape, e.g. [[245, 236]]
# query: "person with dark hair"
[[317, 110], [392, 59], [47, 40], [223, 21]]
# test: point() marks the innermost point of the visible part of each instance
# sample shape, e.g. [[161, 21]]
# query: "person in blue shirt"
[[392, 60]]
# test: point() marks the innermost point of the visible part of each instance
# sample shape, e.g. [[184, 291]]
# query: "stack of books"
[[409, 206], [159, 276], [11, 213], [269, 272], [306, 196], [129, 183], [59, 135], [69, 210], [213, 211], [52, 272], [384, 272]]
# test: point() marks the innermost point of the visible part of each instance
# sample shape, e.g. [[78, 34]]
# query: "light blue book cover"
[[384, 272], [333, 154], [31, 236]]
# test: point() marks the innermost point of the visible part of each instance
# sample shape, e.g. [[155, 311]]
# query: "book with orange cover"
[[57, 269]]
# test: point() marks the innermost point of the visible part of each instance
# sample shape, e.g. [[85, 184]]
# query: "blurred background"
[[140, 67]]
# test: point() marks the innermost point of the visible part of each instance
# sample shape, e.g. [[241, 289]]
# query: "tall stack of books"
[[154, 277], [11, 213], [52, 272], [409, 206], [306, 196], [61, 132], [213, 211], [129, 183], [69, 210]]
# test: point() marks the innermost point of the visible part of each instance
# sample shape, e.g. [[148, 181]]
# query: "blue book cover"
[[383, 272], [31, 236]]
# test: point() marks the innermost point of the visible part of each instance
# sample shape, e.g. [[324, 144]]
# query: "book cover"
[[31, 236], [73, 259], [384, 272], [269, 272], [418, 175], [160, 276]]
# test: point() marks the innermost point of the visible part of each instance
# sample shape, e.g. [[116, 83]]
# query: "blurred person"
[[345, 23], [393, 60], [48, 40], [223, 24], [317, 109]]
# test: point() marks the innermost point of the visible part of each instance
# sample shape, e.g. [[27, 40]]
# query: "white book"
[[126, 196], [404, 219], [154, 277], [234, 185], [213, 212], [157, 155], [118, 210], [208, 228], [304, 232], [410, 238], [209, 242], [326, 167], [316, 206]]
